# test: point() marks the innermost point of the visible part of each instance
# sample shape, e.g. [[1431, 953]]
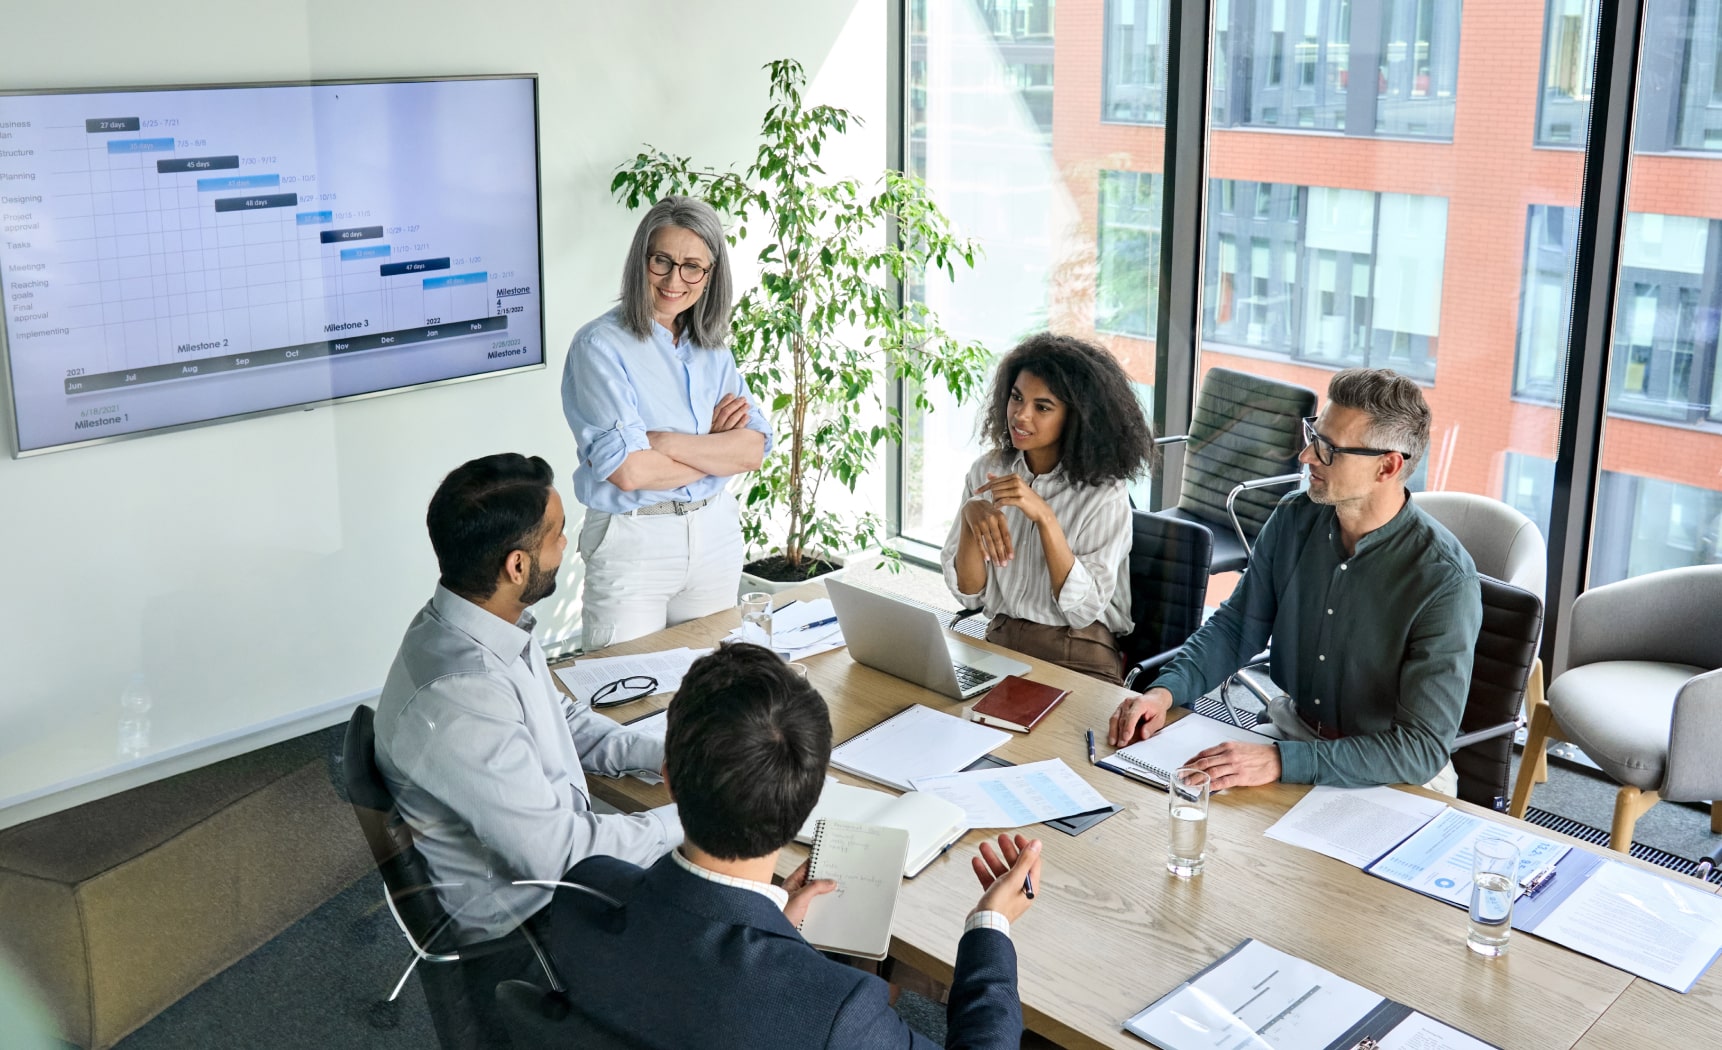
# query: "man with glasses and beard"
[[1372, 606], [487, 760]]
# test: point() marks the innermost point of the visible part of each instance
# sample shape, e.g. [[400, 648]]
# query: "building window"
[[1646, 524], [1334, 276], [1127, 282], [1529, 486], [1679, 97], [1134, 88], [1545, 302], [1361, 67]]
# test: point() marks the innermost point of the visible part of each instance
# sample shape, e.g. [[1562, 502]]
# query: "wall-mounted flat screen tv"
[[178, 256]]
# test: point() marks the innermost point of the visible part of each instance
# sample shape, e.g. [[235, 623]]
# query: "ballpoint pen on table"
[[810, 626], [1091, 747]]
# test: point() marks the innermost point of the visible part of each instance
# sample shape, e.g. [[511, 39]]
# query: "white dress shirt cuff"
[[987, 920], [669, 819]]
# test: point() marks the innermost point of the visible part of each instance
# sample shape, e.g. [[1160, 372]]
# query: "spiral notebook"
[[1154, 759], [867, 862]]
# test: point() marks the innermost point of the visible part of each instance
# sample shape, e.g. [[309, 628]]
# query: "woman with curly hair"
[[1042, 541]]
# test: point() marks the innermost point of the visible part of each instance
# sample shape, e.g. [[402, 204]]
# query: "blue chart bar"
[[140, 146], [453, 279], [416, 266], [272, 200], [238, 182], [314, 218], [375, 251]]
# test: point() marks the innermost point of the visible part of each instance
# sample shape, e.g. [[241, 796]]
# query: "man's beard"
[[539, 584]]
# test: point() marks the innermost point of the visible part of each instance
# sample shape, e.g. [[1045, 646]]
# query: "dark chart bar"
[[270, 200], [174, 167], [415, 266], [103, 125], [357, 233], [282, 354]]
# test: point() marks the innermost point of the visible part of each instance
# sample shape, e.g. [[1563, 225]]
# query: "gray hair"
[[1399, 416], [707, 320]]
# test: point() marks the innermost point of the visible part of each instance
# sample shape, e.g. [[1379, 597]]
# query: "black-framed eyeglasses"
[[622, 690], [661, 265], [1325, 450]]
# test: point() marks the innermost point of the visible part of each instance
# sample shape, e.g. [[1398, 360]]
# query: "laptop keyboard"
[[972, 677]]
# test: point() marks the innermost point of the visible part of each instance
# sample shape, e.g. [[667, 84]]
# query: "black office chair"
[[1169, 566], [412, 899], [1240, 458], [1501, 665], [1506, 649]]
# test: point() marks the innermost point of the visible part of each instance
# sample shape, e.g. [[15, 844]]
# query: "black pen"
[[1028, 885], [1091, 747]]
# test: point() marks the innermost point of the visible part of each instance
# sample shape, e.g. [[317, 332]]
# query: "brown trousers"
[[1088, 650]]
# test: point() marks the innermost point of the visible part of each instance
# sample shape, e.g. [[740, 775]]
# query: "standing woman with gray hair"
[[662, 422]]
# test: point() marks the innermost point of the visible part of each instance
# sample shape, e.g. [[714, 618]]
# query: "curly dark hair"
[[1106, 437]]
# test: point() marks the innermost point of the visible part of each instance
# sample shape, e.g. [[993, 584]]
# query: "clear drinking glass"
[[1187, 805], [1494, 884], [756, 618]]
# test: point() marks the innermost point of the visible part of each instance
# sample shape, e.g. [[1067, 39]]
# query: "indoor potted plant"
[[826, 328]]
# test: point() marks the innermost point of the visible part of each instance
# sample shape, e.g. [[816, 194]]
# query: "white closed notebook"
[[866, 861], [932, 823], [1155, 758], [916, 742]]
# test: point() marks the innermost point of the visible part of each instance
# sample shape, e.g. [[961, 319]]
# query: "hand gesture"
[[730, 413], [801, 893], [988, 526], [1010, 490], [1003, 873], [1139, 717]]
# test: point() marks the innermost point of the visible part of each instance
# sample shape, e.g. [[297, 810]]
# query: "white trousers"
[[646, 573]]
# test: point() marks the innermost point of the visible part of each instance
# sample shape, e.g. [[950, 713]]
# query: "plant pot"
[[751, 582]]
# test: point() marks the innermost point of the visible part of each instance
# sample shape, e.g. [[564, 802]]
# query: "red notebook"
[[1016, 704]]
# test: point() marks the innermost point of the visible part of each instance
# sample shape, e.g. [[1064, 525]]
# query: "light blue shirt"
[[487, 761], [616, 387]]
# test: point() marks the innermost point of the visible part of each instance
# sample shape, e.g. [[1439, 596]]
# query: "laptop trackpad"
[[982, 660]]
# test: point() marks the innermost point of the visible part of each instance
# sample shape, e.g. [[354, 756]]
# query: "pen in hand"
[[1028, 885]]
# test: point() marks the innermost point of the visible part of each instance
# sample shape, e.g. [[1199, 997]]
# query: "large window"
[[1361, 67], [1360, 206]]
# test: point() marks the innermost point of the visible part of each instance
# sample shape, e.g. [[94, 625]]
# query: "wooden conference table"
[[1111, 931]]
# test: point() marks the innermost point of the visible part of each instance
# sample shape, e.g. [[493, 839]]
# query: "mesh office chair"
[[412, 899], [1169, 561], [1240, 458]]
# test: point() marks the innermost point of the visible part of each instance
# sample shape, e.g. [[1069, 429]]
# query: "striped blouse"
[[1096, 522]]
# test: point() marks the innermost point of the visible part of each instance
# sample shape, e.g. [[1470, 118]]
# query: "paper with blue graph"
[[1014, 796]]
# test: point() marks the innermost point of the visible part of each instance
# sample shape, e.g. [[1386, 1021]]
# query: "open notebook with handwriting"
[[867, 862]]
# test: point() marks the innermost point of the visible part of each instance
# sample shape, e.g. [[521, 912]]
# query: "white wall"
[[260, 572]]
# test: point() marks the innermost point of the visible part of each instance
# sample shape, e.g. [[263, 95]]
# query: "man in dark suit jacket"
[[701, 950]]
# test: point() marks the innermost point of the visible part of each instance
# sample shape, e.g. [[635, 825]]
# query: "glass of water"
[[1494, 884], [756, 618], [1187, 804]]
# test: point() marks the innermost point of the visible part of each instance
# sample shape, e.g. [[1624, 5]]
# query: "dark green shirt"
[[1376, 645]]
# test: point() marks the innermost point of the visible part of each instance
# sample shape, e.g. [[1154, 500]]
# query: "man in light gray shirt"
[[486, 758]]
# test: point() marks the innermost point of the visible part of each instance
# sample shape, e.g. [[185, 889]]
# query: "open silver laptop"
[[907, 642]]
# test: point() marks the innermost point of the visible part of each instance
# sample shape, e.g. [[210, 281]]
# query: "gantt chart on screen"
[[176, 256]]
